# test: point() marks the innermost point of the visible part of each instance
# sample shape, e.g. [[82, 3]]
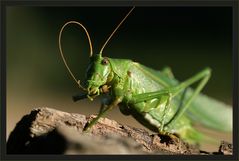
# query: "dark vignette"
[[4, 4], [235, 78]]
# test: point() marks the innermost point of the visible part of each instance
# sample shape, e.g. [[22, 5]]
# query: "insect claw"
[[91, 98], [98, 92], [86, 127]]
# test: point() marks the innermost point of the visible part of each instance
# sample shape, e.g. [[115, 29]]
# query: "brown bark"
[[49, 131]]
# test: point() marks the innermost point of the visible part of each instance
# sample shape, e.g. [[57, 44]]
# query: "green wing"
[[211, 113], [205, 110]]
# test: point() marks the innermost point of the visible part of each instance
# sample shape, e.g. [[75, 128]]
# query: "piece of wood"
[[50, 131]]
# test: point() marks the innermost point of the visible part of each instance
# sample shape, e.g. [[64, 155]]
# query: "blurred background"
[[187, 39]]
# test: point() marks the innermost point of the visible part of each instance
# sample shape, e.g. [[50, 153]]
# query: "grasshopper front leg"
[[103, 110]]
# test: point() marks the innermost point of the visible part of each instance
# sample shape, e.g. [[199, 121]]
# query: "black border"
[[235, 77], [231, 3]]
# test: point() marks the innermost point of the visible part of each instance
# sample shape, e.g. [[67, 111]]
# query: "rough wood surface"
[[50, 131]]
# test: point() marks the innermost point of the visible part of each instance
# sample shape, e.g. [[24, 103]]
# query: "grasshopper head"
[[97, 74]]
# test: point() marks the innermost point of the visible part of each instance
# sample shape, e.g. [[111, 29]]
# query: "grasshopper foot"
[[86, 127], [167, 137]]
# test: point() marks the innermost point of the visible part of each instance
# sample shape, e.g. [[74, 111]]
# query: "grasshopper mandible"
[[154, 98]]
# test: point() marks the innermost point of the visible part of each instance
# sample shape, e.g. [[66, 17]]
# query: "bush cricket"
[[154, 98]]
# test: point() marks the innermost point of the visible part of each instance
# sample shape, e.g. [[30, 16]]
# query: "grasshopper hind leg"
[[178, 122]]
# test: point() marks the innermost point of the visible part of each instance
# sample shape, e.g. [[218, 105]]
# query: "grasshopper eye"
[[105, 61]]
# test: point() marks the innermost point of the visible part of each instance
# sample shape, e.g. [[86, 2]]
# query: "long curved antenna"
[[61, 52], [115, 30]]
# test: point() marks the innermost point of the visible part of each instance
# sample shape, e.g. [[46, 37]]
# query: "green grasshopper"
[[154, 98]]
